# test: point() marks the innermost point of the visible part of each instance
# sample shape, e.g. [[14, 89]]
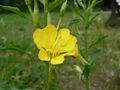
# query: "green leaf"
[[86, 72], [95, 2], [74, 21], [80, 3], [17, 48], [14, 10], [91, 20], [63, 8], [98, 40], [42, 1], [77, 11], [97, 53], [55, 4]]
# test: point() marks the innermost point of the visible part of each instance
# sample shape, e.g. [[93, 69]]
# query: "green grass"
[[20, 70]]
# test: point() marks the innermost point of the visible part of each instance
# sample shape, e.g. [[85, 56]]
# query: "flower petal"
[[45, 38], [64, 34], [43, 55], [70, 45], [58, 59], [63, 37], [74, 52], [36, 37]]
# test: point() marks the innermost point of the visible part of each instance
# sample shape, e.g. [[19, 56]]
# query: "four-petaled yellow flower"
[[55, 44]]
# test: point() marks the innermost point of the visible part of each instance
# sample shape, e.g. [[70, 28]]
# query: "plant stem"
[[86, 56], [48, 65], [30, 10], [59, 22], [28, 3], [86, 44], [87, 83], [49, 76], [46, 13]]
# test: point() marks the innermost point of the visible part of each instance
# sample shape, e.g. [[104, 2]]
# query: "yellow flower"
[[54, 44]]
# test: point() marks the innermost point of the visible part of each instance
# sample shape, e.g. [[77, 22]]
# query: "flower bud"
[[36, 15]]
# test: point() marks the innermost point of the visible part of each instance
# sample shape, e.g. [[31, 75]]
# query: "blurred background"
[[105, 5]]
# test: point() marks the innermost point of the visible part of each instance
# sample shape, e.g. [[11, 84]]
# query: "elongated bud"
[[28, 2], [36, 15]]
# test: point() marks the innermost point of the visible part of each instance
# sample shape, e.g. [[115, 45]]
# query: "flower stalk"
[[87, 83], [28, 3], [46, 13], [34, 13], [49, 75], [86, 53], [48, 64], [59, 22]]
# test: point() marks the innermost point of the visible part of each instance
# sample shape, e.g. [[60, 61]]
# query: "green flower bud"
[[36, 15]]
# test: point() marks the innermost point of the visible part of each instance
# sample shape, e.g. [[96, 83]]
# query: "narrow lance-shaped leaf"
[[42, 1], [76, 4], [95, 3], [77, 11], [28, 3], [97, 53], [98, 40], [63, 8], [74, 21], [17, 48], [90, 21], [13, 9], [80, 3], [86, 72], [55, 4]]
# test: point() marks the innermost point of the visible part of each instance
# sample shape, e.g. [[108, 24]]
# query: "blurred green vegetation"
[[20, 71], [20, 4]]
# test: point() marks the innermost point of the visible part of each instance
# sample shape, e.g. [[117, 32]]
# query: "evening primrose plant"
[[53, 43]]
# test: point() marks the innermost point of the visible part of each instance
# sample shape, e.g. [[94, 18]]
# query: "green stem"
[[28, 3], [46, 13], [86, 44], [59, 22], [30, 10], [86, 56], [49, 76], [49, 66], [87, 83]]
